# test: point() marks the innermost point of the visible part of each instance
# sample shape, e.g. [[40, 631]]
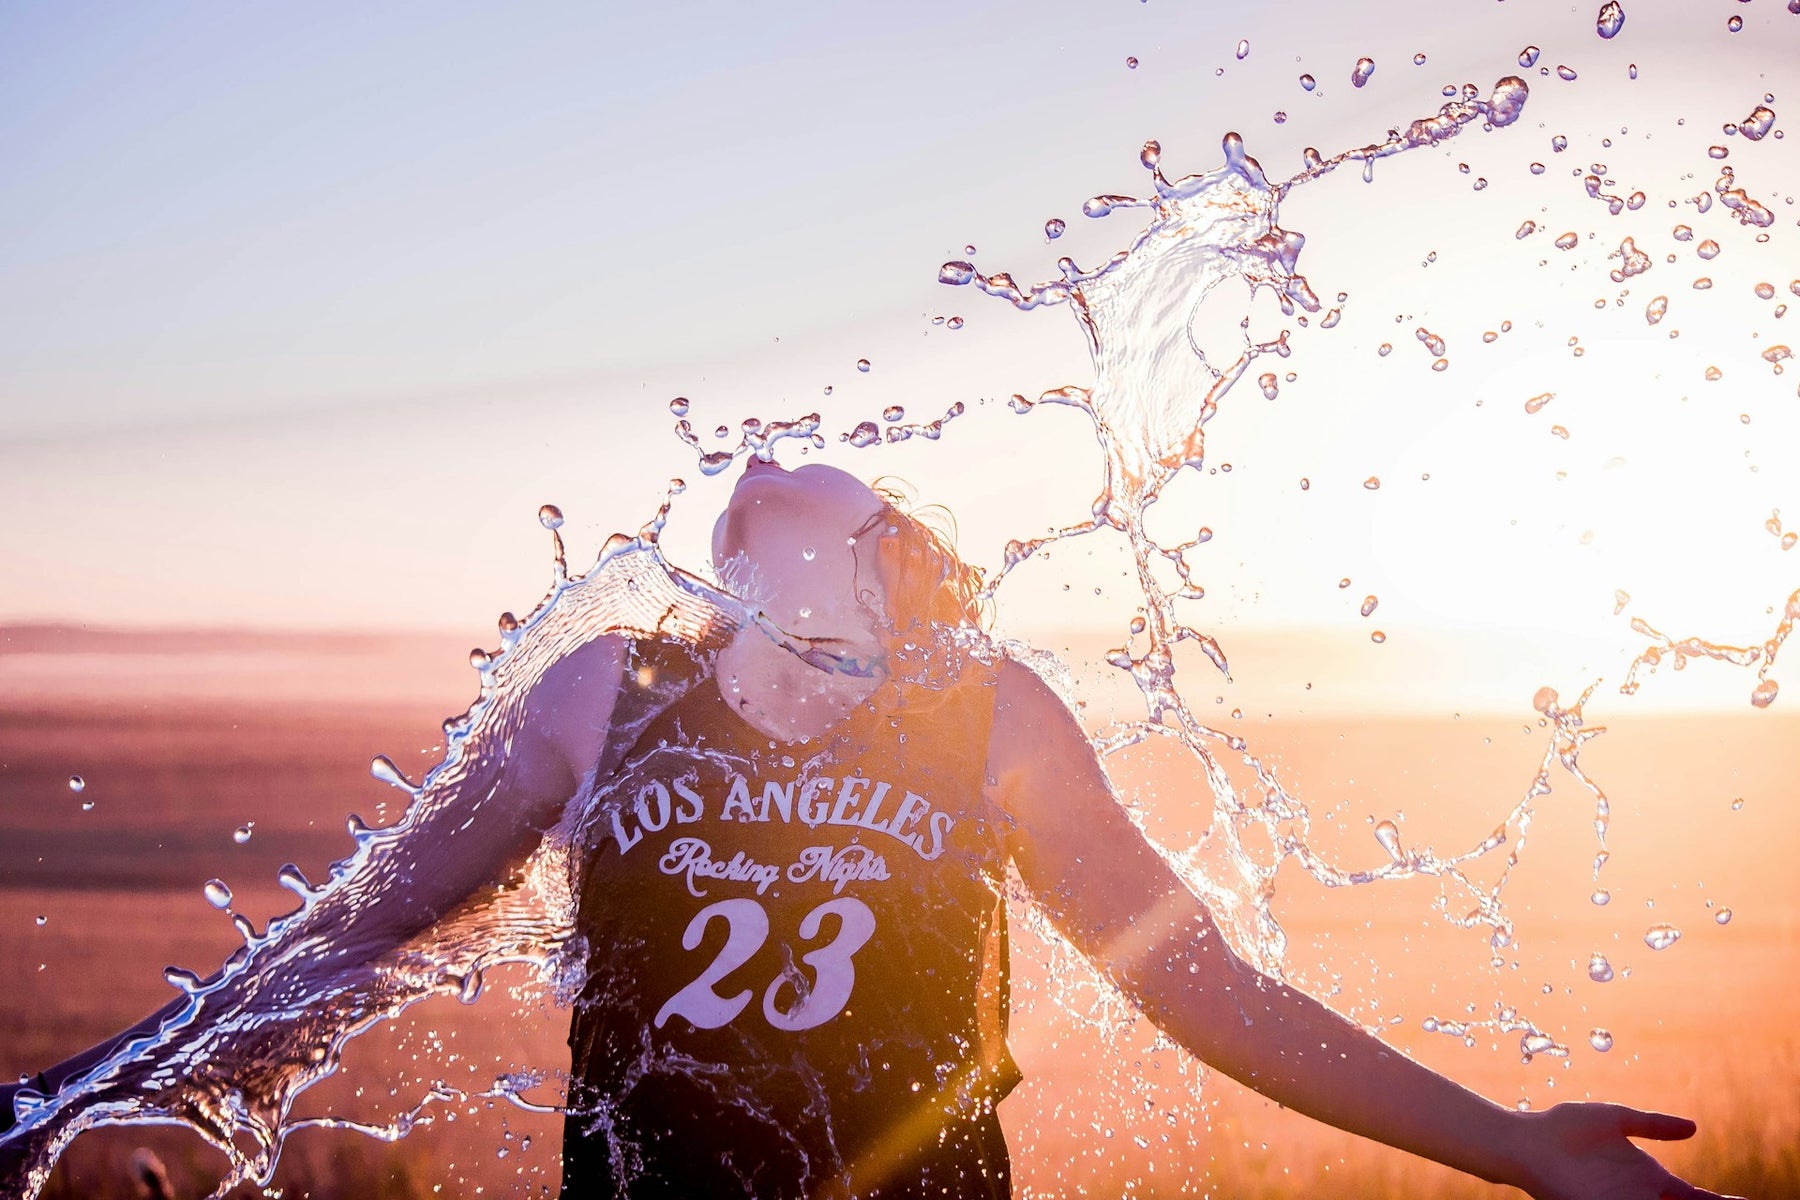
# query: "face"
[[787, 542]]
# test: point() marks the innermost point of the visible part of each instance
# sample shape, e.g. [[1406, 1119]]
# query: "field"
[[177, 753]]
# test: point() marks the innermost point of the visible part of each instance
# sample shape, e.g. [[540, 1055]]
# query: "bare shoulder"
[[1037, 747], [1025, 707], [570, 709]]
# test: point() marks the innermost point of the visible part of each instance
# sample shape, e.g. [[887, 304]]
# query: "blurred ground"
[[175, 760]]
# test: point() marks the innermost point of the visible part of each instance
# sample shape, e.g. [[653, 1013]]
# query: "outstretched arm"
[[1112, 895], [476, 826]]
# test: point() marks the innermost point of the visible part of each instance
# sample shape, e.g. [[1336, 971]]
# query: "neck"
[[793, 687]]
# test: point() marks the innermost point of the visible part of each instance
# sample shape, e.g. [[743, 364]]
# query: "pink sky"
[[302, 328]]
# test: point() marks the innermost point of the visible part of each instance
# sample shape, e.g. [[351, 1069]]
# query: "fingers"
[[1659, 1126]]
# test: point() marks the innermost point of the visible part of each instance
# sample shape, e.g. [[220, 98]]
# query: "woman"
[[790, 933]]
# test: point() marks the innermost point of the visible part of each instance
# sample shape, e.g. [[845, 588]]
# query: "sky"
[[304, 312]]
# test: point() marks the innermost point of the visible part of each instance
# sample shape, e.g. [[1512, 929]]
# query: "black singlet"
[[795, 952]]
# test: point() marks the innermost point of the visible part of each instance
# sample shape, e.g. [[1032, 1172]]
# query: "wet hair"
[[924, 580]]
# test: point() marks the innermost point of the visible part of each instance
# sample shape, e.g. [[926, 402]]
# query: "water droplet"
[[217, 894], [382, 768], [243, 832], [550, 517], [1053, 229], [1372, 483], [809, 553], [1378, 637], [862, 364], [1656, 310], [1610, 20], [1536, 403], [1756, 126], [1528, 56], [42, 920], [1599, 970], [1243, 48], [1559, 143], [1360, 73], [1713, 374], [1722, 917], [1131, 62], [181, 979], [1271, 388], [1388, 834], [77, 783], [1600, 1040], [1308, 82], [958, 273], [1765, 291], [1661, 936], [1568, 241], [1385, 349], [679, 406], [1368, 605], [1280, 118], [1735, 24], [1419, 59], [1601, 897], [1763, 694], [1708, 249]]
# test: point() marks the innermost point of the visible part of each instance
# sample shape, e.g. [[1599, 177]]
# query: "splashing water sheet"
[[1384, 495]]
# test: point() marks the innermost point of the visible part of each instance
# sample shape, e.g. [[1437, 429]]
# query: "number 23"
[[747, 928]]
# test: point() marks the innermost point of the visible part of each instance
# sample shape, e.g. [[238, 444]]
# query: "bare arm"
[[1113, 896], [477, 826]]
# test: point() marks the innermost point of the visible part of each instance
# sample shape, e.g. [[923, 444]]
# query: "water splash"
[[245, 1041], [1679, 651], [1208, 236]]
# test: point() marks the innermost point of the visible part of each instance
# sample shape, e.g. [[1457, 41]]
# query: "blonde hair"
[[926, 582]]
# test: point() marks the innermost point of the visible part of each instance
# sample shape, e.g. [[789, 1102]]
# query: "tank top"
[[795, 958]]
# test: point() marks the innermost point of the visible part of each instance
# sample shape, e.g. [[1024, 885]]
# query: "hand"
[[1584, 1152]]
